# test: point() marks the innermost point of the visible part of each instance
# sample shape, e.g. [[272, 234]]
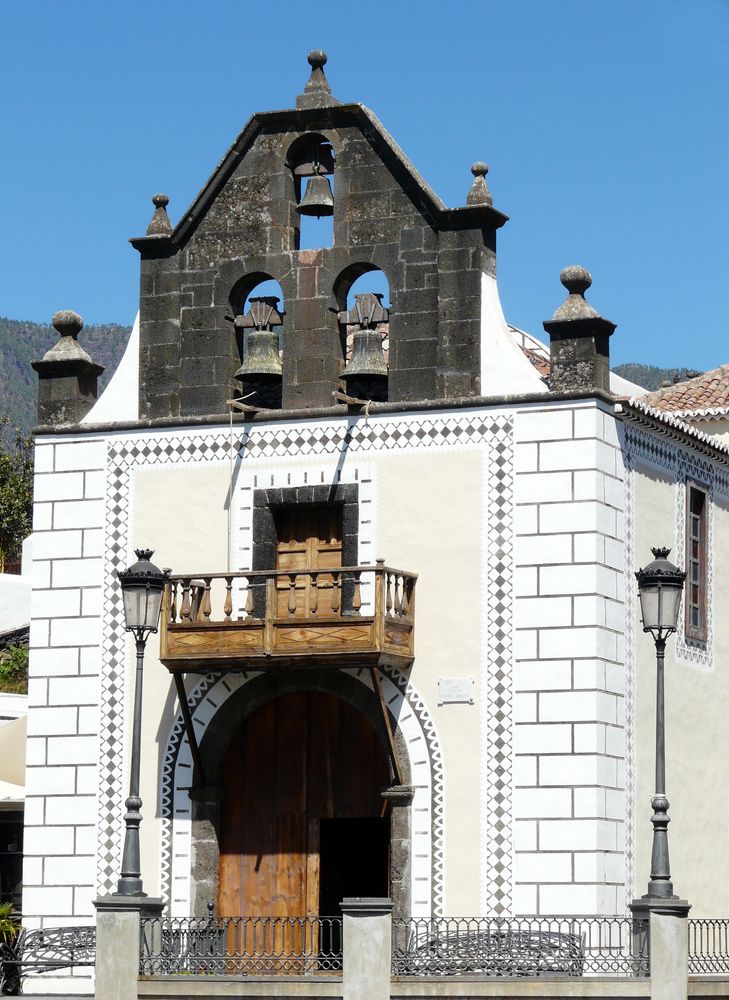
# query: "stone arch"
[[189, 821]]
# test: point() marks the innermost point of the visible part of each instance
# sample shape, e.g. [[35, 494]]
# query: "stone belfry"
[[325, 158]]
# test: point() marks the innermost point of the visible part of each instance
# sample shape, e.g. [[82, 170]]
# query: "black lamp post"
[[142, 586], [660, 585]]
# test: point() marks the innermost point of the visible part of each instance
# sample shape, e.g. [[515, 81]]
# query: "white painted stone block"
[[525, 519], [64, 810], [50, 781], [568, 899], [557, 643], [543, 425], [43, 458], [81, 455], [524, 708], [611, 430], [77, 572], [536, 550], [524, 770], [48, 901], [71, 870], [52, 721], [542, 739], [33, 871], [73, 749], [542, 612], [589, 802], [42, 516], [615, 741], [94, 485], [41, 573], [580, 579], [85, 839], [73, 691], [588, 673], [582, 769], [557, 518], [76, 631], [93, 542], [88, 721], [542, 867], [587, 422], [524, 835], [589, 547], [543, 487], [37, 692], [525, 644], [588, 485], [614, 492], [87, 779], [48, 662], [535, 803], [606, 461], [524, 899], [58, 486], [89, 660], [589, 737], [615, 803], [542, 675], [41, 840], [78, 514], [35, 751], [40, 629], [526, 458], [526, 581], [34, 810], [91, 601], [576, 706], [55, 603], [57, 544], [83, 897], [577, 835], [568, 455]]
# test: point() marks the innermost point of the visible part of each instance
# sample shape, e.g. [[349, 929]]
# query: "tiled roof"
[[705, 393]]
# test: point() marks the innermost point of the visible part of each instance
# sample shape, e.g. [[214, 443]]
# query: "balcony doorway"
[[309, 537], [302, 817]]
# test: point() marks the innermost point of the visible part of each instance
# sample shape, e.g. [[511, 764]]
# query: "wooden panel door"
[[309, 537], [299, 759]]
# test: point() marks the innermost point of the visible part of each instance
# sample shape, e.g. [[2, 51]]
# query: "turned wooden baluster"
[[398, 602], [173, 601], [405, 597], [186, 608], [292, 594], [203, 614], [314, 594], [388, 600], [357, 595], [228, 606], [335, 592], [249, 598]]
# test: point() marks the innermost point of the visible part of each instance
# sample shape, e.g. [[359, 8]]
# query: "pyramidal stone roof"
[[705, 395]]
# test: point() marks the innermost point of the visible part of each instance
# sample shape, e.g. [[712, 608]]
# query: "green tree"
[[16, 491]]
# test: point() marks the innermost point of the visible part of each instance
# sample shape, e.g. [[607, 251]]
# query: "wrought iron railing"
[[708, 946], [521, 946], [45, 949], [248, 946]]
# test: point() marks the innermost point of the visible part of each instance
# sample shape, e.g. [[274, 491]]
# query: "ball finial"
[[67, 322], [575, 279], [317, 58], [479, 168], [160, 200]]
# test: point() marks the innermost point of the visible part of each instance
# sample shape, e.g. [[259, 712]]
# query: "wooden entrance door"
[[299, 759], [309, 537]]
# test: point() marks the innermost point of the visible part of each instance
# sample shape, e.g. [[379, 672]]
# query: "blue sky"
[[605, 125]]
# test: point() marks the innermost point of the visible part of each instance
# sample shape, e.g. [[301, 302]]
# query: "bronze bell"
[[262, 359], [318, 199], [367, 356]]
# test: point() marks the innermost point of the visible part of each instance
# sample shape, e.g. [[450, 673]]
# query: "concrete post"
[[668, 936], [117, 943], [367, 948]]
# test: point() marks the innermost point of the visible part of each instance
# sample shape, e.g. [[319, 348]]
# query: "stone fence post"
[[668, 942], [118, 922], [367, 948]]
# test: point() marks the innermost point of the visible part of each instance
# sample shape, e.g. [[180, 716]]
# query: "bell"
[[262, 359], [318, 199], [367, 357]]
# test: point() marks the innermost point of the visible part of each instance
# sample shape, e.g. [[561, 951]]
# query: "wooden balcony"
[[353, 616]]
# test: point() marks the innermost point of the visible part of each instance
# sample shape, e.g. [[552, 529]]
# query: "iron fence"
[[708, 946], [44, 949], [521, 946], [248, 946]]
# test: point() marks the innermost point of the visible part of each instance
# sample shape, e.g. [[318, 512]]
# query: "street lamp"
[[142, 585], [660, 585]]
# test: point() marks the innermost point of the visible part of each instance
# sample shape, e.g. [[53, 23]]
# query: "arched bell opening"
[[311, 161], [362, 292], [297, 760], [256, 302]]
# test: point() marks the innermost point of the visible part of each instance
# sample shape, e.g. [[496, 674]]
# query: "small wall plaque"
[[455, 690]]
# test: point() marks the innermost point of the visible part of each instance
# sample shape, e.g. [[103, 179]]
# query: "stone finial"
[[68, 324], [160, 224], [579, 349], [576, 280], [479, 193], [317, 92], [67, 376]]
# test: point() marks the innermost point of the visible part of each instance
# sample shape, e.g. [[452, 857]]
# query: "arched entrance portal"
[[302, 822]]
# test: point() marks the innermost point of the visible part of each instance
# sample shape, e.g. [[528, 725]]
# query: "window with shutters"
[[697, 501]]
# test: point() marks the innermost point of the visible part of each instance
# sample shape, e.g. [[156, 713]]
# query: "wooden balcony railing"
[[363, 615]]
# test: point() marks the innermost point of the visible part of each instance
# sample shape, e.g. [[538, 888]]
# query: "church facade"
[[400, 650]]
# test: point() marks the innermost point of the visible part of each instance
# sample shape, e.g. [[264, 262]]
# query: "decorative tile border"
[[335, 438]]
